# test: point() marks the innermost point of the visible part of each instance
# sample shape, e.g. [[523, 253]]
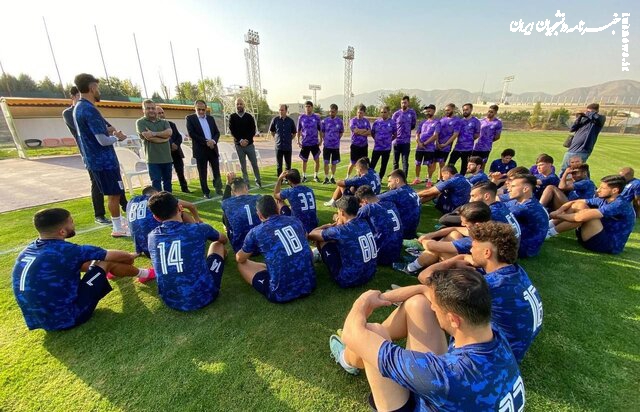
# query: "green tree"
[[372, 111], [117, 87], [318, 109], [560, 117], [8, 85], [157, 98], [211, 89], [535, 119], [26, 83], [187, 91], [47, 85], [393, 101]]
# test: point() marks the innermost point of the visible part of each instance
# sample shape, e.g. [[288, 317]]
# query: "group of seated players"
[[471, 286]]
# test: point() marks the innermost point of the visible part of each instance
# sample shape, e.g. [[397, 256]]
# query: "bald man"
[[243, 127]]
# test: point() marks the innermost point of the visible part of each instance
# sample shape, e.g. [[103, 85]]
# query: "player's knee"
[[416, 305], [378, 329]]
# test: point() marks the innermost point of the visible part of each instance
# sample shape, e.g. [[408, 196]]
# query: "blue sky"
[[410, 44]]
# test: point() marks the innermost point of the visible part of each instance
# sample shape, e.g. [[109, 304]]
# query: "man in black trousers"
[[204, 134], [283, 129], [242, 126], [176, 151], [97, 198]]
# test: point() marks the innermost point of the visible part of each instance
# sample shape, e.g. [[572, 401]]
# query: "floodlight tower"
[[314, 88], [251, 105], [228, 97], [252, 38], [348, 56], [505, 87]]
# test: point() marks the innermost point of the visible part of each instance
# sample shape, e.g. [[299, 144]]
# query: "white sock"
[[117, 224], [552, 231], [551, 224], [414, 266], [343, 362], [143, 273]]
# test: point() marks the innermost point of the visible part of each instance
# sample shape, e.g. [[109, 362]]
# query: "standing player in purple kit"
[[383, 132], [450, 127], [469, 133], [405, 119], [308, 129], [360, 132], [426, 136], [332, 129], [490, 131]]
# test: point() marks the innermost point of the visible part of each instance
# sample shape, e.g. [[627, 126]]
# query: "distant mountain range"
[[628, 90]]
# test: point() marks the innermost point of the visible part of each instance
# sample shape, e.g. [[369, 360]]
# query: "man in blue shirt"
[[474, 167], [499, 167], [97, 142], [531, 215], [288, 271], [478, 371], [452, 192], [300, 197], [406, 200], [631, 192], [545, 175], [348, 246], [384, 219], [603, 223], [365, 175], [46, 277], [238, 210], [586, 127], [283, 130], [574, 184], [186, 279]]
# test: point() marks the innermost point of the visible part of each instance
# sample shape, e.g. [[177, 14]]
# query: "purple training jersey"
[[448, 127], [405, 122], [383, 132], [426, 130], [309, 126], [489, 130], [357, 139], [332, 130], [470, 128]]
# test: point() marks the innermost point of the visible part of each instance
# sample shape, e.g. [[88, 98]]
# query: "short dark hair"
[[73, 90], [450, 168], [494, 107], [293, 176], [544, 158], [267, 206], [615, 182], [363, 162], [430, 106], [238, 184], [364, 192], [475, 159], [452, 105], [348, 204], [584, 168], [199, 101], [594, 106], [163, 205], [486, 187], [518, 170], [476, 212], [83, 81], [308, 103], [468, 104], [528, 178], [149, 190], [48, 220], [285, 106], [362, 108], [400, 174], [464, 292], [501, 235], [333, 106], [147, 101], [508, 152], [407, 98]]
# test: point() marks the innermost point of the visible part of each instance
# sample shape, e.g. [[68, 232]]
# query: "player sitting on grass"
[[142, 222], [384, 219], [478, 372], [300, 197], [531, 215], [603, 223], [406, 200], [474, 168], [452, 192], [516, 307], [447, 242], [348, 246], [631, 192], [545, 175], [364, 176], [288, 271], [574, 184], [46, 276], [503, 192], [238, 210], [499, 167], [186, 279]]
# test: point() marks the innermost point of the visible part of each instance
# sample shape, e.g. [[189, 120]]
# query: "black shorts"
[[483, 155], [215, 263], [109, 181], [331, 156], [440, 156], [424, 158], [331, 257], [261, 281], [93, 287], [285, 210], [598, 243], [314, 150], [409, 406], [358, 152]]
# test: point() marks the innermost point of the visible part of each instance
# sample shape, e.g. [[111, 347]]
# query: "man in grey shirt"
[[243, 127]]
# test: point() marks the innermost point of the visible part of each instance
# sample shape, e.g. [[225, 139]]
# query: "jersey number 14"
[[172, 257]]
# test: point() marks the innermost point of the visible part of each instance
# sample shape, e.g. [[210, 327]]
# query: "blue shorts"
[[599, 243], [109, 181], [93, 287], [261, 282], [215, 263], [331, 257], [463, 246], [285, 210]]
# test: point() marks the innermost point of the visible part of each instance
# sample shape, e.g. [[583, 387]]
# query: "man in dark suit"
[[204, 134], [176, 151]]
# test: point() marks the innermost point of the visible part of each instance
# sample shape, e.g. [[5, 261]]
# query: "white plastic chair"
[[190, 163], [229, 156], [131, 165]]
